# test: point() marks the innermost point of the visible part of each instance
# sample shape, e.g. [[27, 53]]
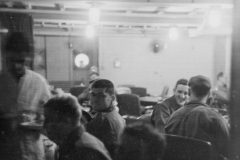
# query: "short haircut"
[[200, 86], [182, 82], [221, 74], [141, 141], [104, 83], [65, 107], [17, 42], [91, 82]]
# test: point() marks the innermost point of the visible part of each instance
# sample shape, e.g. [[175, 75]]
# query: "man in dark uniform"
[[162, 111], [197, 120]]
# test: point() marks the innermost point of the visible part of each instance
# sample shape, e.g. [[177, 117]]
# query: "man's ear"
[[113, 97]]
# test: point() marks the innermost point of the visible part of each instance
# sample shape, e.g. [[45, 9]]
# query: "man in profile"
[[108, 124], [22, 94], [163, 110], [63, 126], [197, 120]]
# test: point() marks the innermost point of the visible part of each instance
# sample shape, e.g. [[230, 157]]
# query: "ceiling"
[[124, 16]]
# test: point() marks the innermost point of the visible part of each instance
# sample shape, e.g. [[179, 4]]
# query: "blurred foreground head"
[[140, 141], [62, 115], [17, 51]]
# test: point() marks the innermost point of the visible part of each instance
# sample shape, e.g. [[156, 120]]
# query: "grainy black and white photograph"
[[119, 80]]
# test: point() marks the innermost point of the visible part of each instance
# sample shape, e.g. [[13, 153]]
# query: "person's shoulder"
[[163, 104], [207, 113], [93, 145], [114, 116], [180, 112], [89, 140], [36, 76]]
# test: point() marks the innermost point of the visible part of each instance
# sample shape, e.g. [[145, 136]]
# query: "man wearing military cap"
[[197, 120]]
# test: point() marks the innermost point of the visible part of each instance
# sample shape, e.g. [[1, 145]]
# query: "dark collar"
[[107, 110], [196, 103]]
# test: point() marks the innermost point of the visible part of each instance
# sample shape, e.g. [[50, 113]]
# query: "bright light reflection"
[[81, 60], [214, 18], [94, 15], [90, 31], [173, 33]]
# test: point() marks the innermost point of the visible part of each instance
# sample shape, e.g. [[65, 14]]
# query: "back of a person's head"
[[17, 43], [140, 141], [182, 82], [104, 83], [64, 107], [200, 86]]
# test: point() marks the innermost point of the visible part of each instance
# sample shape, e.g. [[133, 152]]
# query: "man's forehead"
[[182, 87], [99, 90]]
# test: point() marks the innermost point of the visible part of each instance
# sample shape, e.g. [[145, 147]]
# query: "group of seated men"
[[99, 138], [24, 93], [187, 114]]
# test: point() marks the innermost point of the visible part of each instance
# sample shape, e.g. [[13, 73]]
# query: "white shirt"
[[28, 95]]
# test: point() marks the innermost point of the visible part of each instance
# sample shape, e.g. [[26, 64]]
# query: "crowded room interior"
[[119, 79]]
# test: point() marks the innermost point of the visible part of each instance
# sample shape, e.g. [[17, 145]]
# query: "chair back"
[[76, 91], [122, 90], [128, 104], [183, 148], [142, 92], [165, 92]]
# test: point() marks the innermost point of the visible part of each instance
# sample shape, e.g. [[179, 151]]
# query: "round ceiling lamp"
[[81, 60]]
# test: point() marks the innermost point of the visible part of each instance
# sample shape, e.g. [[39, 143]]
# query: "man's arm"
[[160, 116]]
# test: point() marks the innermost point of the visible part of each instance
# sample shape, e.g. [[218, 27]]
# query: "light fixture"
[[90, 31], [81, 60], [214, 18], [94, 15], [173, 33]]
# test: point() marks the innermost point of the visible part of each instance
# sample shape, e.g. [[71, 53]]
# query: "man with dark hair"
[[163, 110], [140, 141], [197, 120], [62, 122], [108, 124], [23, 93]]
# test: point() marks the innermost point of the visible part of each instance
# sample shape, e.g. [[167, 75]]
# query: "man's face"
[[181, 94], [99, 99], [16, 64], [56, 130]]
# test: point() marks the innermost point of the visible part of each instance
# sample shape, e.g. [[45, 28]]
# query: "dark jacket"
[[197, 120], [107, 126], [81, 145], [162, 112]]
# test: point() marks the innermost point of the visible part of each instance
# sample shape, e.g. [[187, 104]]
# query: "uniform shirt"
[[107, 127], [162, 112], [197, 120]]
